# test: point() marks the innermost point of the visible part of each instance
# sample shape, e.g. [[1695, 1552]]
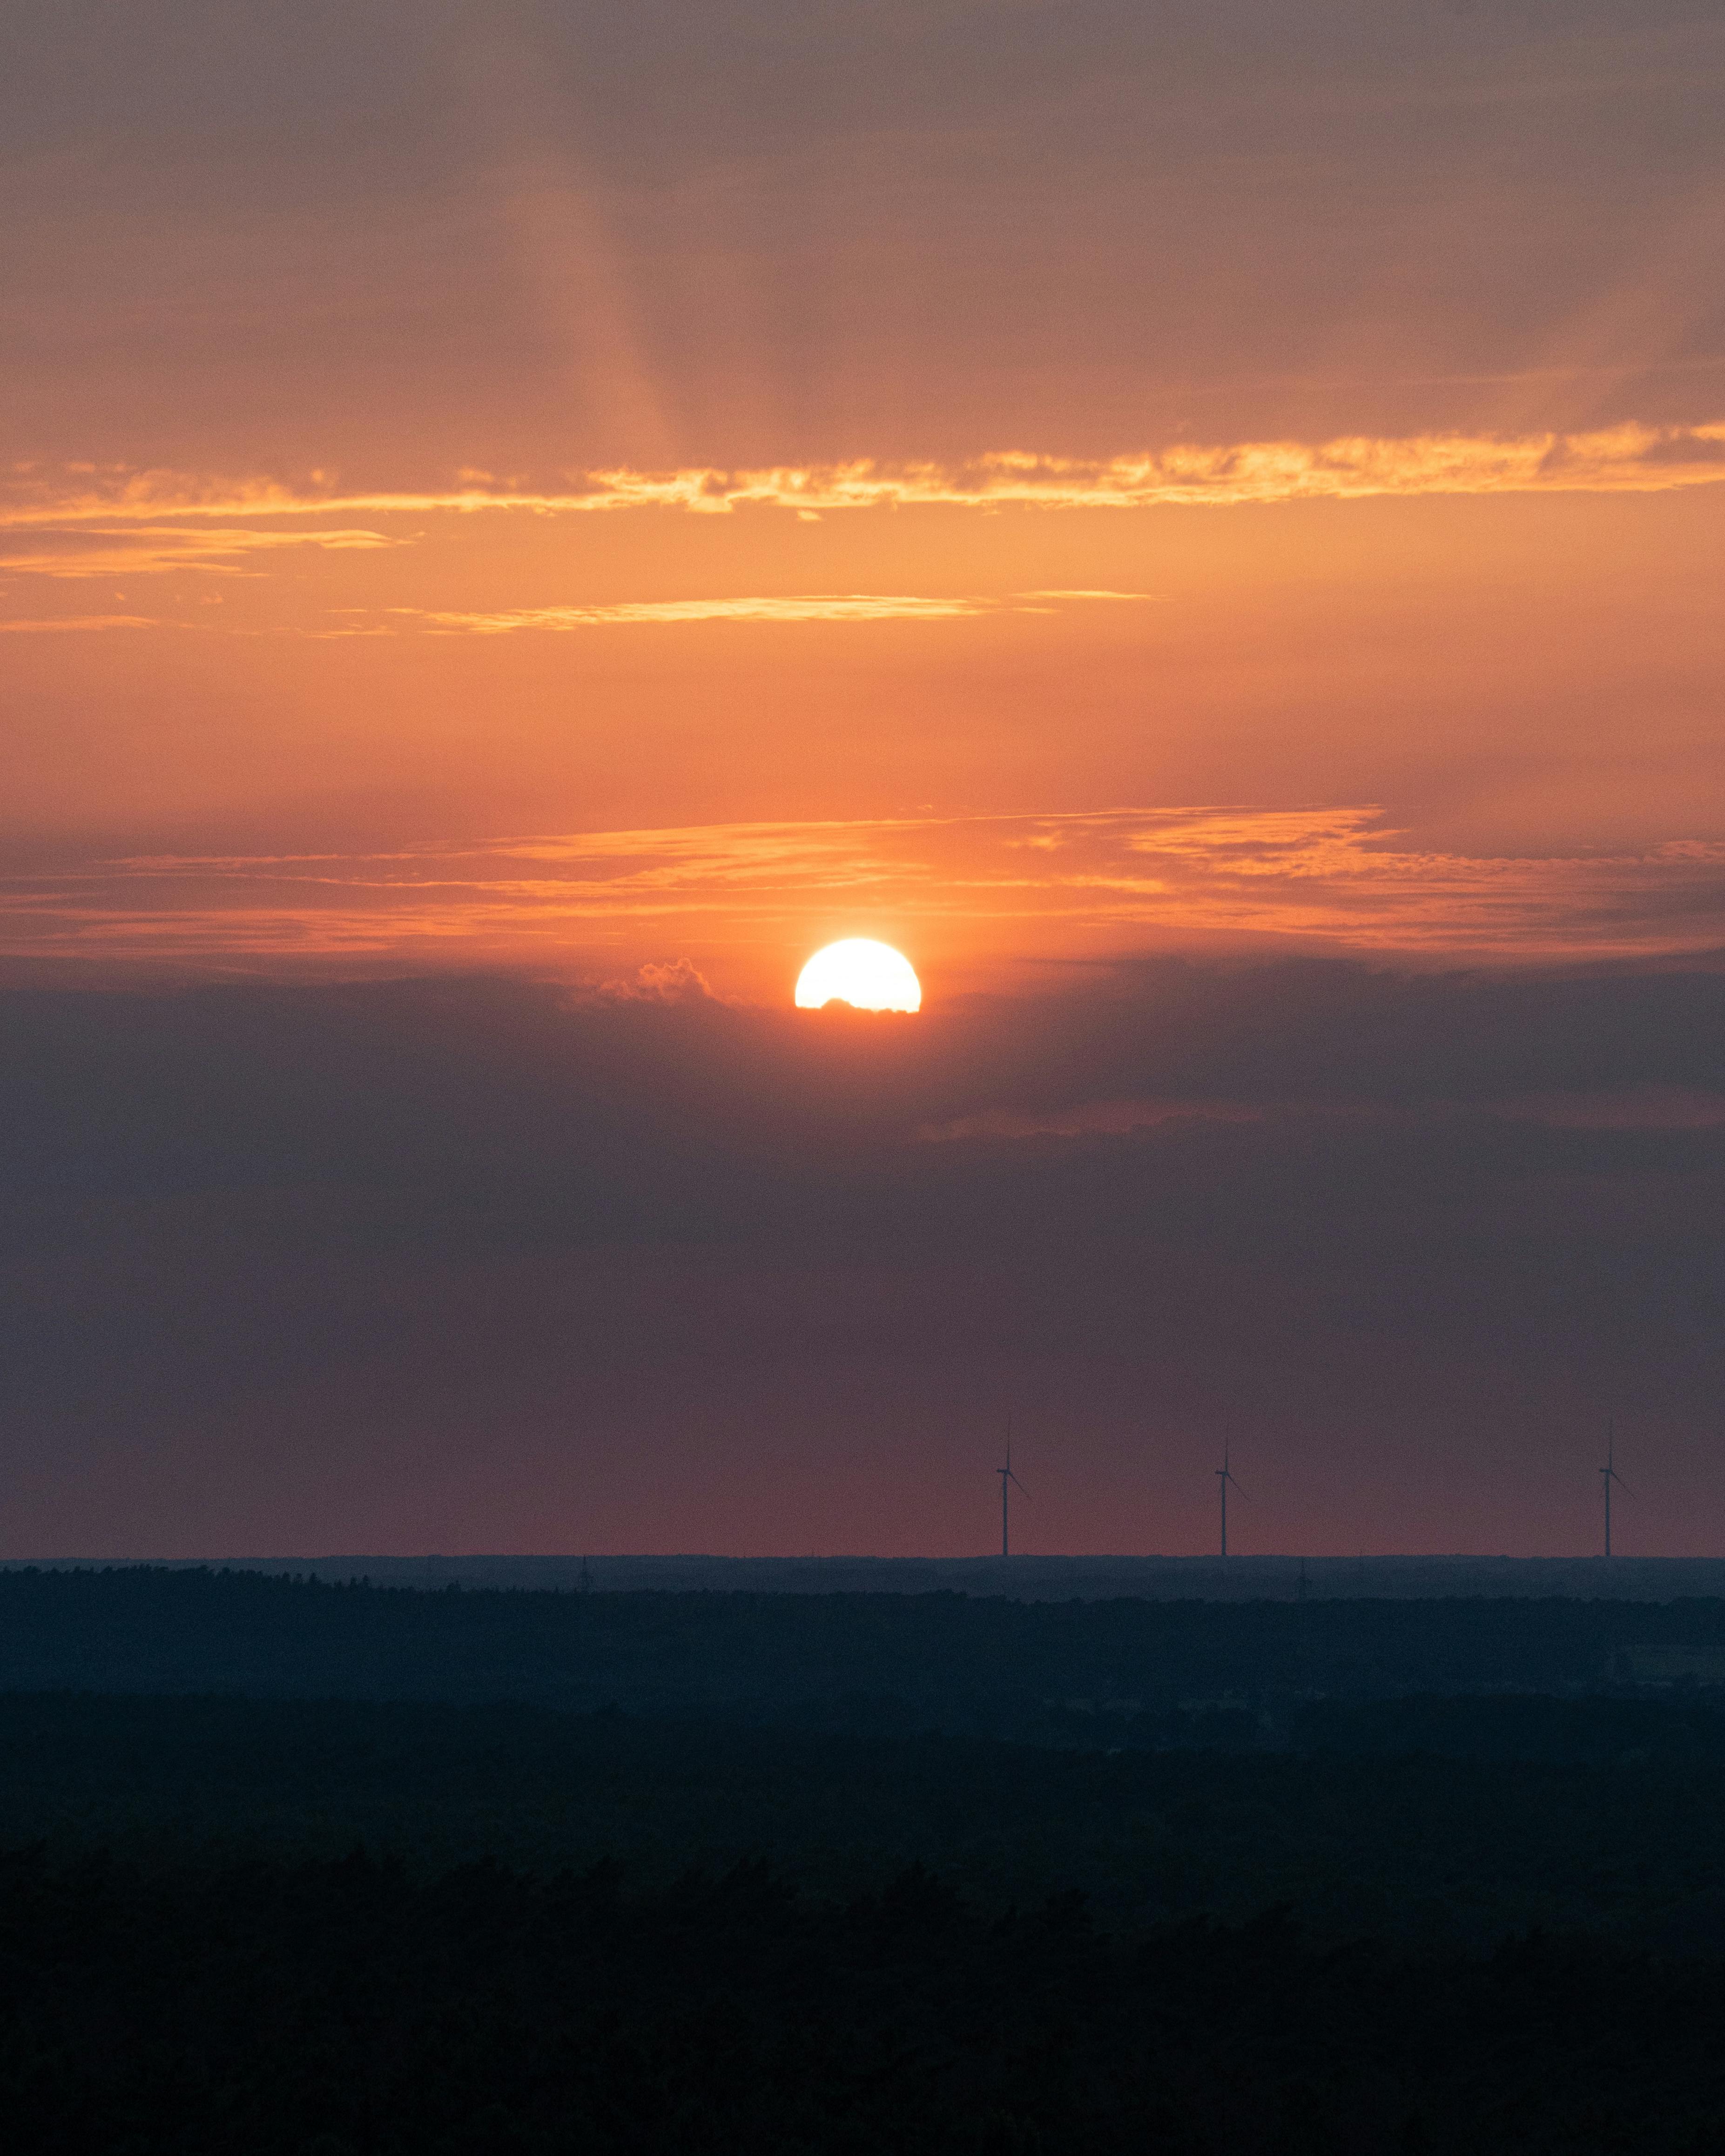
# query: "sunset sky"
[[1201, 524]]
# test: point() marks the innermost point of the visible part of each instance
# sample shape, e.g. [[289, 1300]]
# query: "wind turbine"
[[1007, 1479], [1224, 1476], [1608, 1474]]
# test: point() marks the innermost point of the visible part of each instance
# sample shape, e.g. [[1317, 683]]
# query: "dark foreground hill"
[[289, 2009], [332, 1870], [1445, 1823]]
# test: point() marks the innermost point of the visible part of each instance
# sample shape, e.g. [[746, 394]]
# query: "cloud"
[[1083, 1119], [1630, 458], [798, 606], [815, 605], [69, 622], [1647, 1108], [1632, 1108], [77, 551], [677, 982], [80, 523], [1092, 884]]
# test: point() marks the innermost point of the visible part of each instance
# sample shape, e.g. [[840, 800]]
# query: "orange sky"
[[1199, 520], [441, 451], [1441, 723]]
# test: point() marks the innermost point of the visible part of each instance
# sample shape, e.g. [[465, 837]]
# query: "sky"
[[1200, 525]]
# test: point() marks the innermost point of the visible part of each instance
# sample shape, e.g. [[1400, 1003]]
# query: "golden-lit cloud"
[[78, 622], [79, 550], [169, 510], [815, 605], [797, 607], [1068, 885]]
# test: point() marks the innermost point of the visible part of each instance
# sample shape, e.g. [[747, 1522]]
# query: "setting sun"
[[867, 975]]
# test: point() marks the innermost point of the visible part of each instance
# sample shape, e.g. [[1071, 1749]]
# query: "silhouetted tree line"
[[1606, 1819], [341, 2006], [1071, 1673]]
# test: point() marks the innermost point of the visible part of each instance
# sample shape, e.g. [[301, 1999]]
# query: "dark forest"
[[308, 1868]]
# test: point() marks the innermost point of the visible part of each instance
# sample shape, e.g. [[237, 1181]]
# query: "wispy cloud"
[[1634, 1108], [85, 521], [1085, 1119], [796, 607], [76, 621], [176, 507], [1660, 1108], [814, 606], [72, 548], [1110, 880]]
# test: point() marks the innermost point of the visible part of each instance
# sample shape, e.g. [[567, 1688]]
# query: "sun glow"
[[867, 975]]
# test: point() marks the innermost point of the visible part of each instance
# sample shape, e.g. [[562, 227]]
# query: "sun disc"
[[867, 975]]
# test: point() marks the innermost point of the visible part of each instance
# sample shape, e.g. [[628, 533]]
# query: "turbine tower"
[[1007, 1479], [1224, 1476], [1608, 1475]]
